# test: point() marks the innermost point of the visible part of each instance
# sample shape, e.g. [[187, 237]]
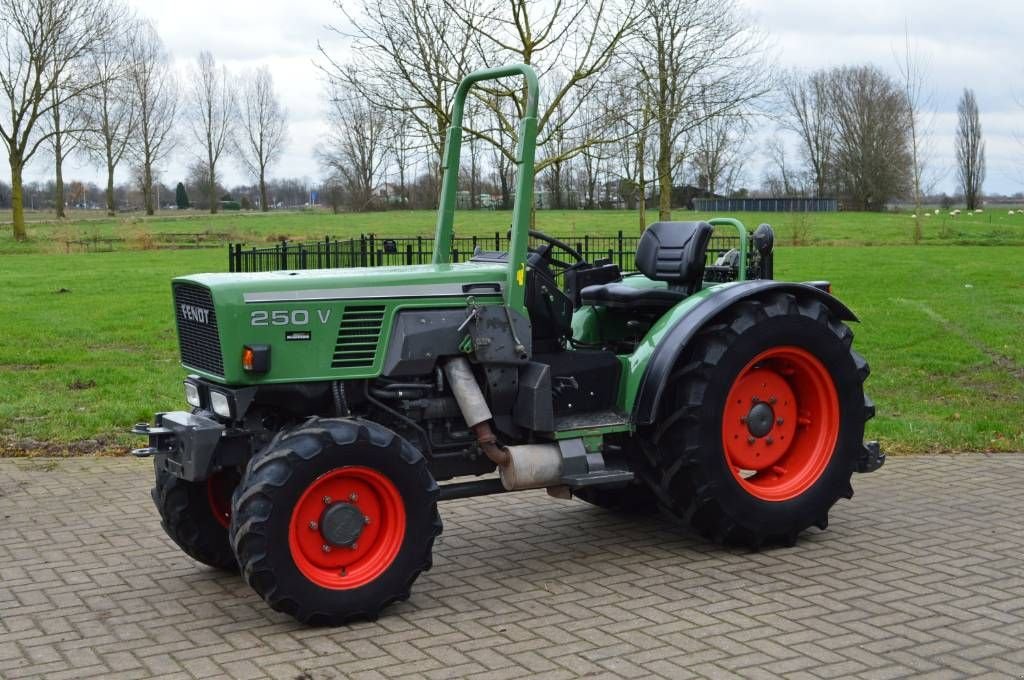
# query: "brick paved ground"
[[920, 575]]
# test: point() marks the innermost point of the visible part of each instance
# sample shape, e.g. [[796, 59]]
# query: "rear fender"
[[648, 368]]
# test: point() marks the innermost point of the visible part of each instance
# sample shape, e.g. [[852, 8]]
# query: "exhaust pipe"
[[529, 466]]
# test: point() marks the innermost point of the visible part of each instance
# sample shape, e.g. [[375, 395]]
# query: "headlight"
[[192, 394], [220, 403]]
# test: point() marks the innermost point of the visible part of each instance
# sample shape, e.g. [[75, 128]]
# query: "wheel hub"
[[780, 423], [760, 419], [341, 524], [347, 527]]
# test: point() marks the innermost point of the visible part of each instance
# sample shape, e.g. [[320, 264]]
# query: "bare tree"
[[970, 149], [571, 43], [263, 125], [406, 57], [43, 66], [697, 58], [806, 105], [355, 149], [64, 128], [212, 115], [111, 110], [155, 98], [872, 148], [401, 147], [913, 78], [781, 179], [718, 146]]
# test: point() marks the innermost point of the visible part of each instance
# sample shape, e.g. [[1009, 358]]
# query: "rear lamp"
[[192, 395], [256, 358], [220, 404]]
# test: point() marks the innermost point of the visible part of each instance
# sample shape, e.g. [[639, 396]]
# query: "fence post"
[[362, 250], [419, 250], [408, 253], [586, 246], [455, 254], [497, 241], [284, 255]]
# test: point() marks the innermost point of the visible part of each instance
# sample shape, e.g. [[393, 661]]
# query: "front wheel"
[[195, 515], [763, 422], [335, 521]]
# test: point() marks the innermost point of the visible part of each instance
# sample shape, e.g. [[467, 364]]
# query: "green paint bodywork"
[[299, 361]]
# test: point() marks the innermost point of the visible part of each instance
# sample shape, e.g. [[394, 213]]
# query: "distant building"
[[730, 205]]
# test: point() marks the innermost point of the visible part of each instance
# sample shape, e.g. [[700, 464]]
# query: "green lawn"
[[87, 345], [994, 226]]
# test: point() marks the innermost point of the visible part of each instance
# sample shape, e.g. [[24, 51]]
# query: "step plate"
[[598, 478]]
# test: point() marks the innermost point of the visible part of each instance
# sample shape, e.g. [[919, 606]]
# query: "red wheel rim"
[[219, 487], [780, 423], [345, 566]]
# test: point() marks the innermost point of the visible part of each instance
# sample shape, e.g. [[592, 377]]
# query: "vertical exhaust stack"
[[530, 466]]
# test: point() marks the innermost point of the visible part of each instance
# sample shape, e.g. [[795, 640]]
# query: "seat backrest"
[[674, 252]]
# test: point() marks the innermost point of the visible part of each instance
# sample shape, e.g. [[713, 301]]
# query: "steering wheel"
[[561, 245]]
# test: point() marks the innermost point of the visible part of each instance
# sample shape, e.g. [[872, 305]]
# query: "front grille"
[[358, 336], [197, 328]]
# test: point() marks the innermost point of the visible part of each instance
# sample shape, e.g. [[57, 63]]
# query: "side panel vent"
[[358, 337]]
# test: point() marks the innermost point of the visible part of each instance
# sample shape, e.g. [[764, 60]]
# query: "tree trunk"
[[111, 208], [213, 191], [147, 187], [17, 205], [58, 187], [664, 177], [263, 192]]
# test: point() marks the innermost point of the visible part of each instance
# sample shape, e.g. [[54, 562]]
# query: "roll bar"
[[525, 154]]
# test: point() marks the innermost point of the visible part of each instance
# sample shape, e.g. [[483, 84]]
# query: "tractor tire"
[[196, 515], [635, 499], [762, 422], [335, 520]]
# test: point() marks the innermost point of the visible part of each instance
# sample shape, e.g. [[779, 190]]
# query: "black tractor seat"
[[674, 252], [620, 295]]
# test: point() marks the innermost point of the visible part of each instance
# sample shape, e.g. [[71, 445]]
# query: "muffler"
[[528, 466]]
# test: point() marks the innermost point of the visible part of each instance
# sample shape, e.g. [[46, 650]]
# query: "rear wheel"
[[762, 423], [195, 515], [335, 521]]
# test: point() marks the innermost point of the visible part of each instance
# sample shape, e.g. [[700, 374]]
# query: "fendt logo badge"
[[196, 314]]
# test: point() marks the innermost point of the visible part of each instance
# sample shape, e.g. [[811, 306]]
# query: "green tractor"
[[327, 405]]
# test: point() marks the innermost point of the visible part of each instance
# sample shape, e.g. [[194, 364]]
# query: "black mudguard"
[[665, 355]]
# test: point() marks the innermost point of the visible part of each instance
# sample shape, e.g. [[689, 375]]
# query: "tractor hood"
[[321, 324]]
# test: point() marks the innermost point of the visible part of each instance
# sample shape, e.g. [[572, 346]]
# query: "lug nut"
[[353, 496], [355, 546], [750, 440], [779, 421], [769, 440], [754, 400], [327, 500], [366, 519], [772, 400], [326, 548], [313, 526], [743, 419]]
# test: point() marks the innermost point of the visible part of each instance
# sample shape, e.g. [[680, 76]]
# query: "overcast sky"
[[982, 48]]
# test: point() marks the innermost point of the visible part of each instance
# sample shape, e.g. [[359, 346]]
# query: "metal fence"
[[373, 251]]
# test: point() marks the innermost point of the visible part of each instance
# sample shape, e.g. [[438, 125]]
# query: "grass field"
[[87, 344], [993, 227]]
